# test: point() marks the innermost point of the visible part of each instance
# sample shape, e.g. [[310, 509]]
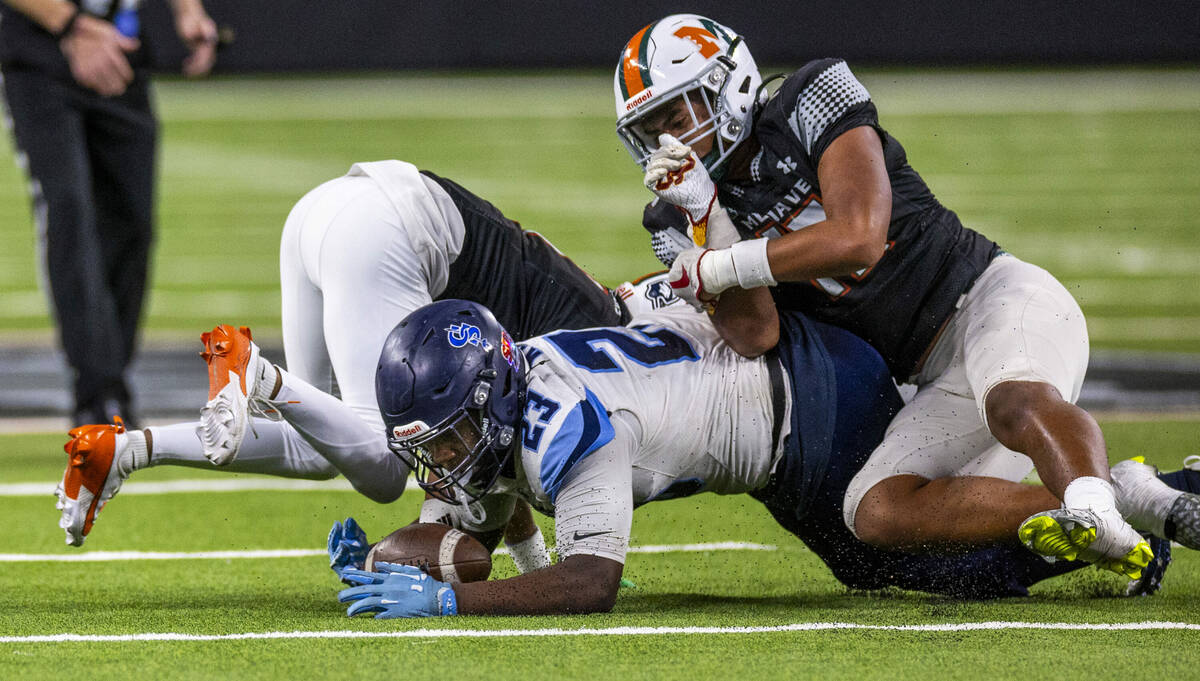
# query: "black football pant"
[[91, 164]]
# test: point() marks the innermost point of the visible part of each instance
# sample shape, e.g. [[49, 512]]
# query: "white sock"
[[134, 456], [1092, 493]]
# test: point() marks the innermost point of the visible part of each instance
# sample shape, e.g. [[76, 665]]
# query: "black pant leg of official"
[[49, 125], [122, 138]]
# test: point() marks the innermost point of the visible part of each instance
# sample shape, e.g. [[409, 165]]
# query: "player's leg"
[[866, 401], [1016, 327]]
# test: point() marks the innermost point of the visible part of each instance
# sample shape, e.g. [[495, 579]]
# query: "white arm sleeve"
[[594, 509]]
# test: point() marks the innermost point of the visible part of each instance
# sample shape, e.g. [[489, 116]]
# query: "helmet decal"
[[635, 71], [705, 41], [463, 334]]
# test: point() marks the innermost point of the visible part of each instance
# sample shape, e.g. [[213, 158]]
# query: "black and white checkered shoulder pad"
[[820, 94]]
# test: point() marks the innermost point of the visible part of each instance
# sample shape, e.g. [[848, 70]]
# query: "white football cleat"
[[1102, 538], [236, 374], [1150, 505], [101, 457]]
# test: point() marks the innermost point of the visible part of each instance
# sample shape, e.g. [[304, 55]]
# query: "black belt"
[[778, 396]]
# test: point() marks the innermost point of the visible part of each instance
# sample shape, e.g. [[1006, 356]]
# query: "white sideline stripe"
[[108, 556], [612, 631], [37, 489]]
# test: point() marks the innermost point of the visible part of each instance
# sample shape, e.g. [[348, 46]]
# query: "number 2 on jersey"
[[592, 349]]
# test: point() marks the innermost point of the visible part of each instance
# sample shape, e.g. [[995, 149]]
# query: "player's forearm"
[[831, 248], [51, 15], [577, 585], [747, 320]]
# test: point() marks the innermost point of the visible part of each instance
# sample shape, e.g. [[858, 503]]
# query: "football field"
[[191, 573], [194, 574]]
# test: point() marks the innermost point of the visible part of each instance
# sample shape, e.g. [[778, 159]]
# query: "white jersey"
[[620, 416]]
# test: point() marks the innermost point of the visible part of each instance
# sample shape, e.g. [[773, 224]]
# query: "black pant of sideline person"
[[91, 163]]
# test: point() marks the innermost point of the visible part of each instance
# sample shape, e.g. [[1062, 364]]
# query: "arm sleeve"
[[594, 510], [668, 230]]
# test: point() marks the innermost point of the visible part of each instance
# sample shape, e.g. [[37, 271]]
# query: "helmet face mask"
[[687, 58], [450, 364]]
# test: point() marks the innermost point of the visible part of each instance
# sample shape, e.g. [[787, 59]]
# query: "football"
[[441, 551]]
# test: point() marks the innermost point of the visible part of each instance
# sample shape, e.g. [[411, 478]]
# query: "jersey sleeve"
[[826, 100], [594, 511]]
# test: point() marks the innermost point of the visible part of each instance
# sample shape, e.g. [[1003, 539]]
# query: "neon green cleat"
[[1082, 534]]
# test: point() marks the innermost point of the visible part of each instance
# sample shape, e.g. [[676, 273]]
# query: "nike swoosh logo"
[[683, 281], [584, 535]]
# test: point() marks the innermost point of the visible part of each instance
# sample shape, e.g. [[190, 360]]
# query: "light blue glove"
[[347, 546], [397, 591]]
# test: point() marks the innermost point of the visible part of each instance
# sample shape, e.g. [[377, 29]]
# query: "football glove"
[[698, 275], [676, 175], [397, 591], [347, 546]]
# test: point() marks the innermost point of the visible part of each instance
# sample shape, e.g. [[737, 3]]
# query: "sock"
[[1091, 493], [134, 456]]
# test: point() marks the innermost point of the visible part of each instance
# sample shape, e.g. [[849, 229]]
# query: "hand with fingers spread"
[[397, 591]]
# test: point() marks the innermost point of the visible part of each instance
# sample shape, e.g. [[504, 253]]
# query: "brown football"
[[443, 552]]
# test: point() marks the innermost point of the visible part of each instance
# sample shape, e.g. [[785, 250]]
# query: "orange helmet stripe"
[[635, 74]]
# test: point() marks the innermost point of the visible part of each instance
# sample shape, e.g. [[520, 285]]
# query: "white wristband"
[[750, 263]]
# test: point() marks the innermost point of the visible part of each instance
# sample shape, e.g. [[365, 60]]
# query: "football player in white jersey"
[[836, 223], [357, 254], [586, 425]]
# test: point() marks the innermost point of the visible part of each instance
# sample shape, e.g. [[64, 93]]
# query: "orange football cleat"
[[92, 477], [229, 354]]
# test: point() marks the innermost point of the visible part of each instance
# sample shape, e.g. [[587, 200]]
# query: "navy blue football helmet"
[[451, 390]]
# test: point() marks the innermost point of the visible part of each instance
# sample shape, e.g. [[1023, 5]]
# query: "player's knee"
[[883, 518], [1013, 407]]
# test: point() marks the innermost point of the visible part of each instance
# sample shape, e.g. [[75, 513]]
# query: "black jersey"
[[526, 282], [898, 304]]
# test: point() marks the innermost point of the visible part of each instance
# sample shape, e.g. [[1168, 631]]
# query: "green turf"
[[715, 589], [1090, 173]]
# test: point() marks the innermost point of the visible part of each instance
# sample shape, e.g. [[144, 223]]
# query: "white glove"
[[699, 275], [675, 173], [684, 278]]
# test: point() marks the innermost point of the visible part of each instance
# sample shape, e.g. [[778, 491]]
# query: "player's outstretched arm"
[[578, 585], [747, 320]]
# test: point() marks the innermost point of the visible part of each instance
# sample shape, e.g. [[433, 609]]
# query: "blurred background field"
[[1090, 173]]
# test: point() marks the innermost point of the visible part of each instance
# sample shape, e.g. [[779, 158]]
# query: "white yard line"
[[611, 631], [108, 556]]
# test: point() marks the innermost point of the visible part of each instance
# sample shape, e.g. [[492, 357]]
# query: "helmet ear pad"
[[442, 363]]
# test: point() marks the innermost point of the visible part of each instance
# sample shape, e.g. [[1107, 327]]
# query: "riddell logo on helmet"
[[640, 99], [409, 430]]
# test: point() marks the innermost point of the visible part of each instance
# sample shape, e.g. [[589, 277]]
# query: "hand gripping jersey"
[[620, 416], [931, 259]]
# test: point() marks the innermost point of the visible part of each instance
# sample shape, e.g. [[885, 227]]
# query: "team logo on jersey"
[[660, 295], [460, 335], [506, 350]]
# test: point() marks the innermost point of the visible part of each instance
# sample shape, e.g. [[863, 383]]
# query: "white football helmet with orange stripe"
[[678, 55]]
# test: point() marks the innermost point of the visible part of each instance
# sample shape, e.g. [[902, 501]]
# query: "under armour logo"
[[787, 165]]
